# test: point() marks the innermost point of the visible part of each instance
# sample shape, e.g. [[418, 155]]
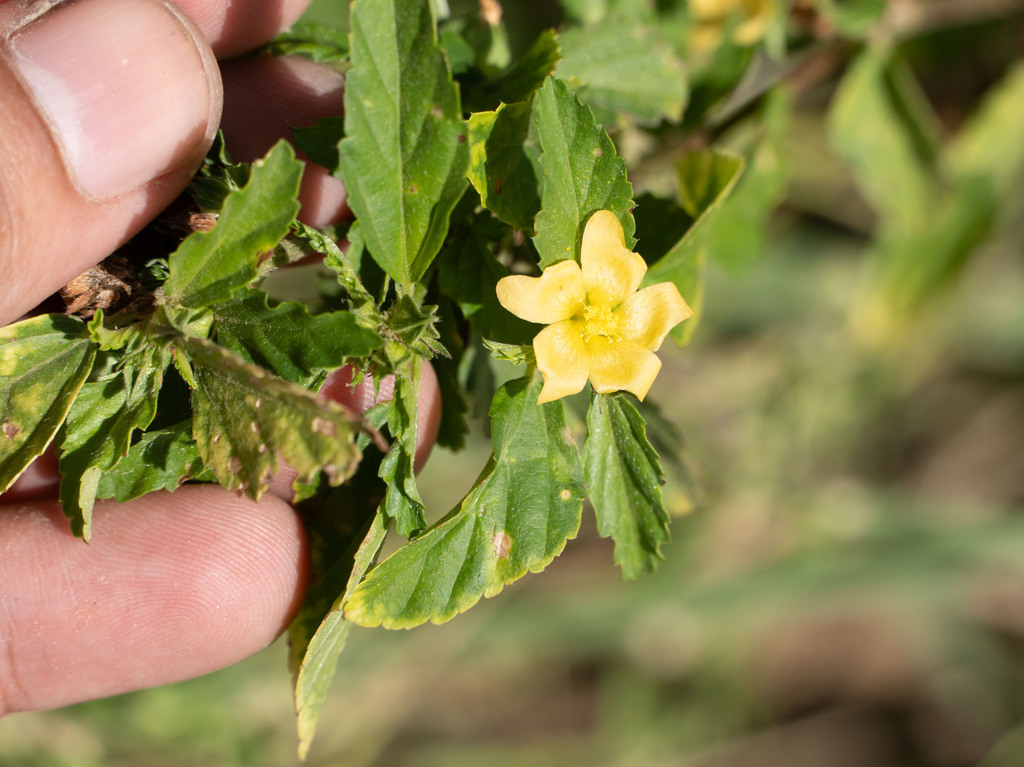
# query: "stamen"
[[601, 321]]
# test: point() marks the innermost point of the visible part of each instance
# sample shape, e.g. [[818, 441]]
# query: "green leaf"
[[210, 267], [43, 363], [505, 164], [705, 180], [623, 476], [582, 174], [287, 341], [405, 154], [453, 425], [323, 43], [469, 273], [344, 265], [525, 506], [593, 11], [99, 428], [987, 147], [738, 230], [525, 75], [470, 41], [528, 72], [852, 18], [160, 460], [870, 126], [217, 177], [402, 501], [244, 418], [913, 265], [320, 659], [620, 66], [320, 142]]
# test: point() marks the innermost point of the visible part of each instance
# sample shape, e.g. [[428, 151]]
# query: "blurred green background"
[[846, 582]]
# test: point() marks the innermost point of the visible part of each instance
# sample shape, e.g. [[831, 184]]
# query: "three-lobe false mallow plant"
[[488, 201]]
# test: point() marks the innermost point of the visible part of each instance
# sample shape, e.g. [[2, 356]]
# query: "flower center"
[[601, 321]]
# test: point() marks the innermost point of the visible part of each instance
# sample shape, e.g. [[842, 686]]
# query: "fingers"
[[361, 398], [106, 109], [171, 587], [264, 99], [236, 26], [165, 589]]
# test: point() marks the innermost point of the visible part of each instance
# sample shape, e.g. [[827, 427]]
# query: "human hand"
[[106, 109]]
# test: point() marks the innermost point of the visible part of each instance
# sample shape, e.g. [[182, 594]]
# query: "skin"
[[164, 591]]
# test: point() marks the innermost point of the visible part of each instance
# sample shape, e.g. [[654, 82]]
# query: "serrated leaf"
[[286, 340], [244, 418], [320, 658], [620, 66], [210, 267], [99, 428], [160, 460], [705, 180], [405, 154], [346, 266], [623, 476], [525, 506], [505, 164], [43, 363], [582, 174], [402, 501]]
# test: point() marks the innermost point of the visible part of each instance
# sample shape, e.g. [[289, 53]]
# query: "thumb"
[[106, 109]]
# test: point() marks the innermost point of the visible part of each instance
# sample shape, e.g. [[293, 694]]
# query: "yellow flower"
[[599, 325], [711, 17]]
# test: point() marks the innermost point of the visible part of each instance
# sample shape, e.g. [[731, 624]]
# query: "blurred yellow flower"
[[599, 325], [711, 18]]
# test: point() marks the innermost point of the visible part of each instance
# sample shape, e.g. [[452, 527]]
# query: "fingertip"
[[106, 109], [233, 28], [171, 586]]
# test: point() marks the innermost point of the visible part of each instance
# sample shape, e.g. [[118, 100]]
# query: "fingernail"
[[128, 88]]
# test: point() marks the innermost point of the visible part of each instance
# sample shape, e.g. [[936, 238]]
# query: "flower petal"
[[556, 295], [621, 365], [563, 358], [610, 270], [649, 314]]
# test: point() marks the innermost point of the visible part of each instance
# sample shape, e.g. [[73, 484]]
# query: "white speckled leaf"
[[244, 417]]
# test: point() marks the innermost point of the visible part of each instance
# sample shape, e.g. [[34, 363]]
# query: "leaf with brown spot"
[[515, 520], [244, 418], [43, 363]]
